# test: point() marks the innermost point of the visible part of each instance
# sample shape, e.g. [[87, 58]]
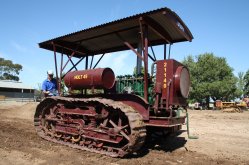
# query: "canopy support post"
[[56, 70], [169, 51], [86, 67], [131, 47], [60, 84], [73, 67], [69, 58], [139, 61], [151, 57], [98, 61], [72, 63], [146, 62], [91, 62], [86, 64], [165, 46], [153, 52]]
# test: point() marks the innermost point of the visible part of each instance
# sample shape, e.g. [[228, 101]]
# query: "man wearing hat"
[[49, 86]]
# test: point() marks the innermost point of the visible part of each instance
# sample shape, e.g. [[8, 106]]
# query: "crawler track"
[[97, 125]]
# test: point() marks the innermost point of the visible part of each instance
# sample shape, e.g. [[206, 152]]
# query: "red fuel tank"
[[97, 78]]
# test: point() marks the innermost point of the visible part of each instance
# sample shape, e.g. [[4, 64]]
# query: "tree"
[[9, 70], [135, 71], [246, 82], [211, 77], [241, 84]]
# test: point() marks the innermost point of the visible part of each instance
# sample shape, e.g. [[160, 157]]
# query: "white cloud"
[[30, 75], [19, 47], [5, 56], [115, 12], [76, 25], [119, 62]]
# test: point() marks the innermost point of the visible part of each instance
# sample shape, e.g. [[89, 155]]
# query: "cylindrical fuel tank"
[[98, 78]]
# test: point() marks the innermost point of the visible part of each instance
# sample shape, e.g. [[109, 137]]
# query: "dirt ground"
[[223, 139]]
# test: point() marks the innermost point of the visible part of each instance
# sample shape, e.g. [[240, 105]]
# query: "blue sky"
[[218, 26]]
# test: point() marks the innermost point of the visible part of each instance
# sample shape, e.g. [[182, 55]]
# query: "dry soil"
[[223, 139]]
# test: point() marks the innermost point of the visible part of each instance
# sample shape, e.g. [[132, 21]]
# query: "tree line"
[[212, 77]]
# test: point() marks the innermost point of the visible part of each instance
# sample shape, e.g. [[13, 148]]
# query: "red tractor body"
[[111, 115]]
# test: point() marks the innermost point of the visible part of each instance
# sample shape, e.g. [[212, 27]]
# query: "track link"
[[136, 124]]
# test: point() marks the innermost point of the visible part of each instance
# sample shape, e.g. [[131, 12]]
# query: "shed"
[[15, 90]]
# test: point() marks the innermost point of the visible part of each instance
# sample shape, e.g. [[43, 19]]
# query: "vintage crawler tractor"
[[230, 106], [116, 121]]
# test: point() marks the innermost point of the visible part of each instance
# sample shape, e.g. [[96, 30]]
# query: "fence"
[[18, 99]]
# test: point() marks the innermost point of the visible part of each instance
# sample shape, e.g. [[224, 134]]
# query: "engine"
[[172, 82]]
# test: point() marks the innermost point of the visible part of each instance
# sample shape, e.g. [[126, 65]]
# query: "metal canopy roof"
[[165, 26]]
